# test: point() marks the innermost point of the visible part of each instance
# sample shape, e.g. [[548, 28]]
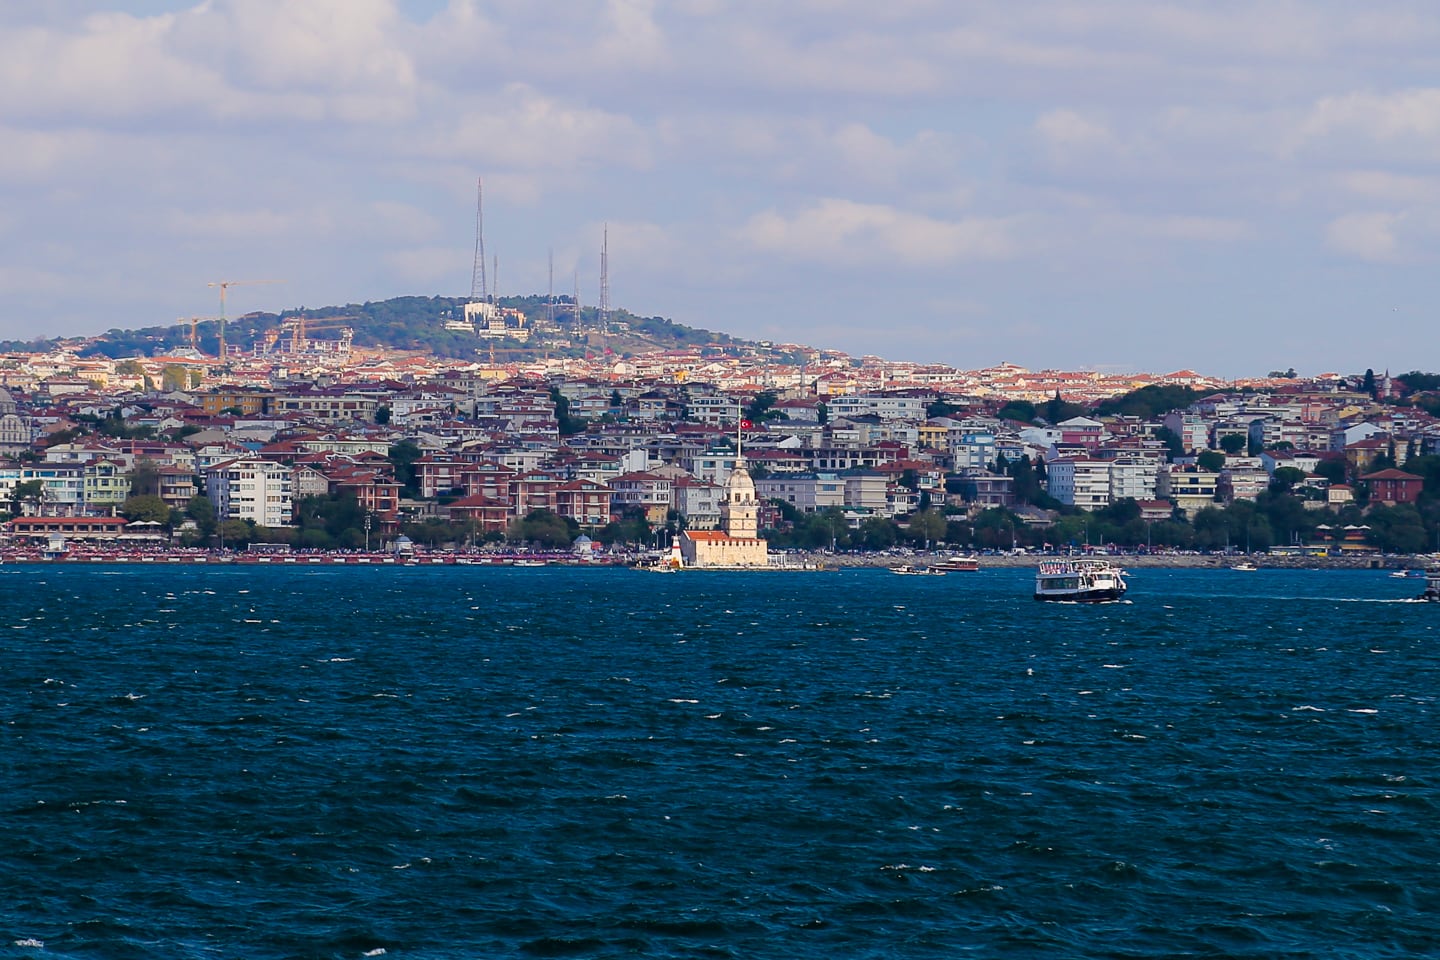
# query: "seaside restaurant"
[[108, 530]]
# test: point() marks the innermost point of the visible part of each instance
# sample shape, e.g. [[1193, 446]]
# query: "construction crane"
[[296, 331], [226, 285], [509, 351], [194, 322]]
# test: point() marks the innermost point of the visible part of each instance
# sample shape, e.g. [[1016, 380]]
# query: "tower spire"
[[479, 287], [604, 284]]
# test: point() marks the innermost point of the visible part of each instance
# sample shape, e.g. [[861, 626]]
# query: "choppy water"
[[466, 762]]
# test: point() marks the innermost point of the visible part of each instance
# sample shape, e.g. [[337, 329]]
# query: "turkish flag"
[[746, 425]]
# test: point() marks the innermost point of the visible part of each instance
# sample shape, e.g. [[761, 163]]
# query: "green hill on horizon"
[[410, 323]]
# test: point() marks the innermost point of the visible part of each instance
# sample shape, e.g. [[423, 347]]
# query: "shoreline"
[[812, 560]]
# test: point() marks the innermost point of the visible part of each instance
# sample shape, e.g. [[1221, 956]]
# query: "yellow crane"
[[226, 285]]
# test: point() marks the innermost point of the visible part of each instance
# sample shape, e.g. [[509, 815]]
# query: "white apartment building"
[[713, 410], [698, 502], [1079, 482], [880, 405], [807, 492], [251, 489], [1133, 478]]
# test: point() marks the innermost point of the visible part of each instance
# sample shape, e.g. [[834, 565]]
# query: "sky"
[[1120, 185]]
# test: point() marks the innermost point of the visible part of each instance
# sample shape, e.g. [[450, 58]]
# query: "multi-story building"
[[884, 406], [106, 484], [698, 501], [1133, 478], [1192, 429], [647, 491], [251, 489], [584, 501], [1079, 482], [1188, 487], [807, 492]]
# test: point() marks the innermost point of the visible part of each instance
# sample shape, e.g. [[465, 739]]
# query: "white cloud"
[[1407, 119], [1391, 187], [401, 221], [1185, 228], [246, 224], [843, 232], [424, 266], [523, 128], [1368, 236]]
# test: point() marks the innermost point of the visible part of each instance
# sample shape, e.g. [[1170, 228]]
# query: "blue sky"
[[1117, 184]]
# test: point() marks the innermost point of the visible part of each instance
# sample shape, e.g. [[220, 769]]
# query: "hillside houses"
[[655, 437]]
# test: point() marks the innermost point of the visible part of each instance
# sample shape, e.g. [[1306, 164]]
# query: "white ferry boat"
[[957, 564], [1079, 580]]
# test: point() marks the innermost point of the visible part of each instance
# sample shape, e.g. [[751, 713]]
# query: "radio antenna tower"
[[479, 287], [550, 293], [577, 302], [604, 283], [495, 278]]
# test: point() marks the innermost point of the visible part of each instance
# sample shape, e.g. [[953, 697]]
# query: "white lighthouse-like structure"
[[737, 543]]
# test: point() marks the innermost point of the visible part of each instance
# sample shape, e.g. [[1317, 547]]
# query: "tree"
[[202, 511], [1233, 443], [145, 508], [173, 377], [145, 478], [759, 407], [543, 527], [1056, 410], [877, 533], [822, 412], [1174, 446], [31, 491], [1284, 479], [1367, 385], [403, 455], [927, 526], [236, 534], [382, 416], [1147, 403], [569, 426], [1022, 410], [1212, 460]]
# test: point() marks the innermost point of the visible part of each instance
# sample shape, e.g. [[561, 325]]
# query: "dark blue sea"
[[265, 762]]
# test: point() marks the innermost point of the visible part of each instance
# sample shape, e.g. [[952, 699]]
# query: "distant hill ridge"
[[415, 323]]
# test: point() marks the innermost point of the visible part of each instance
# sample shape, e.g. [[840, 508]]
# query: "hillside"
[[415, 323]]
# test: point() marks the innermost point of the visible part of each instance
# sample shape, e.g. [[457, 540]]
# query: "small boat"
[[1082, 580], [1432, 585], [1245, 565], [906, 570]]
